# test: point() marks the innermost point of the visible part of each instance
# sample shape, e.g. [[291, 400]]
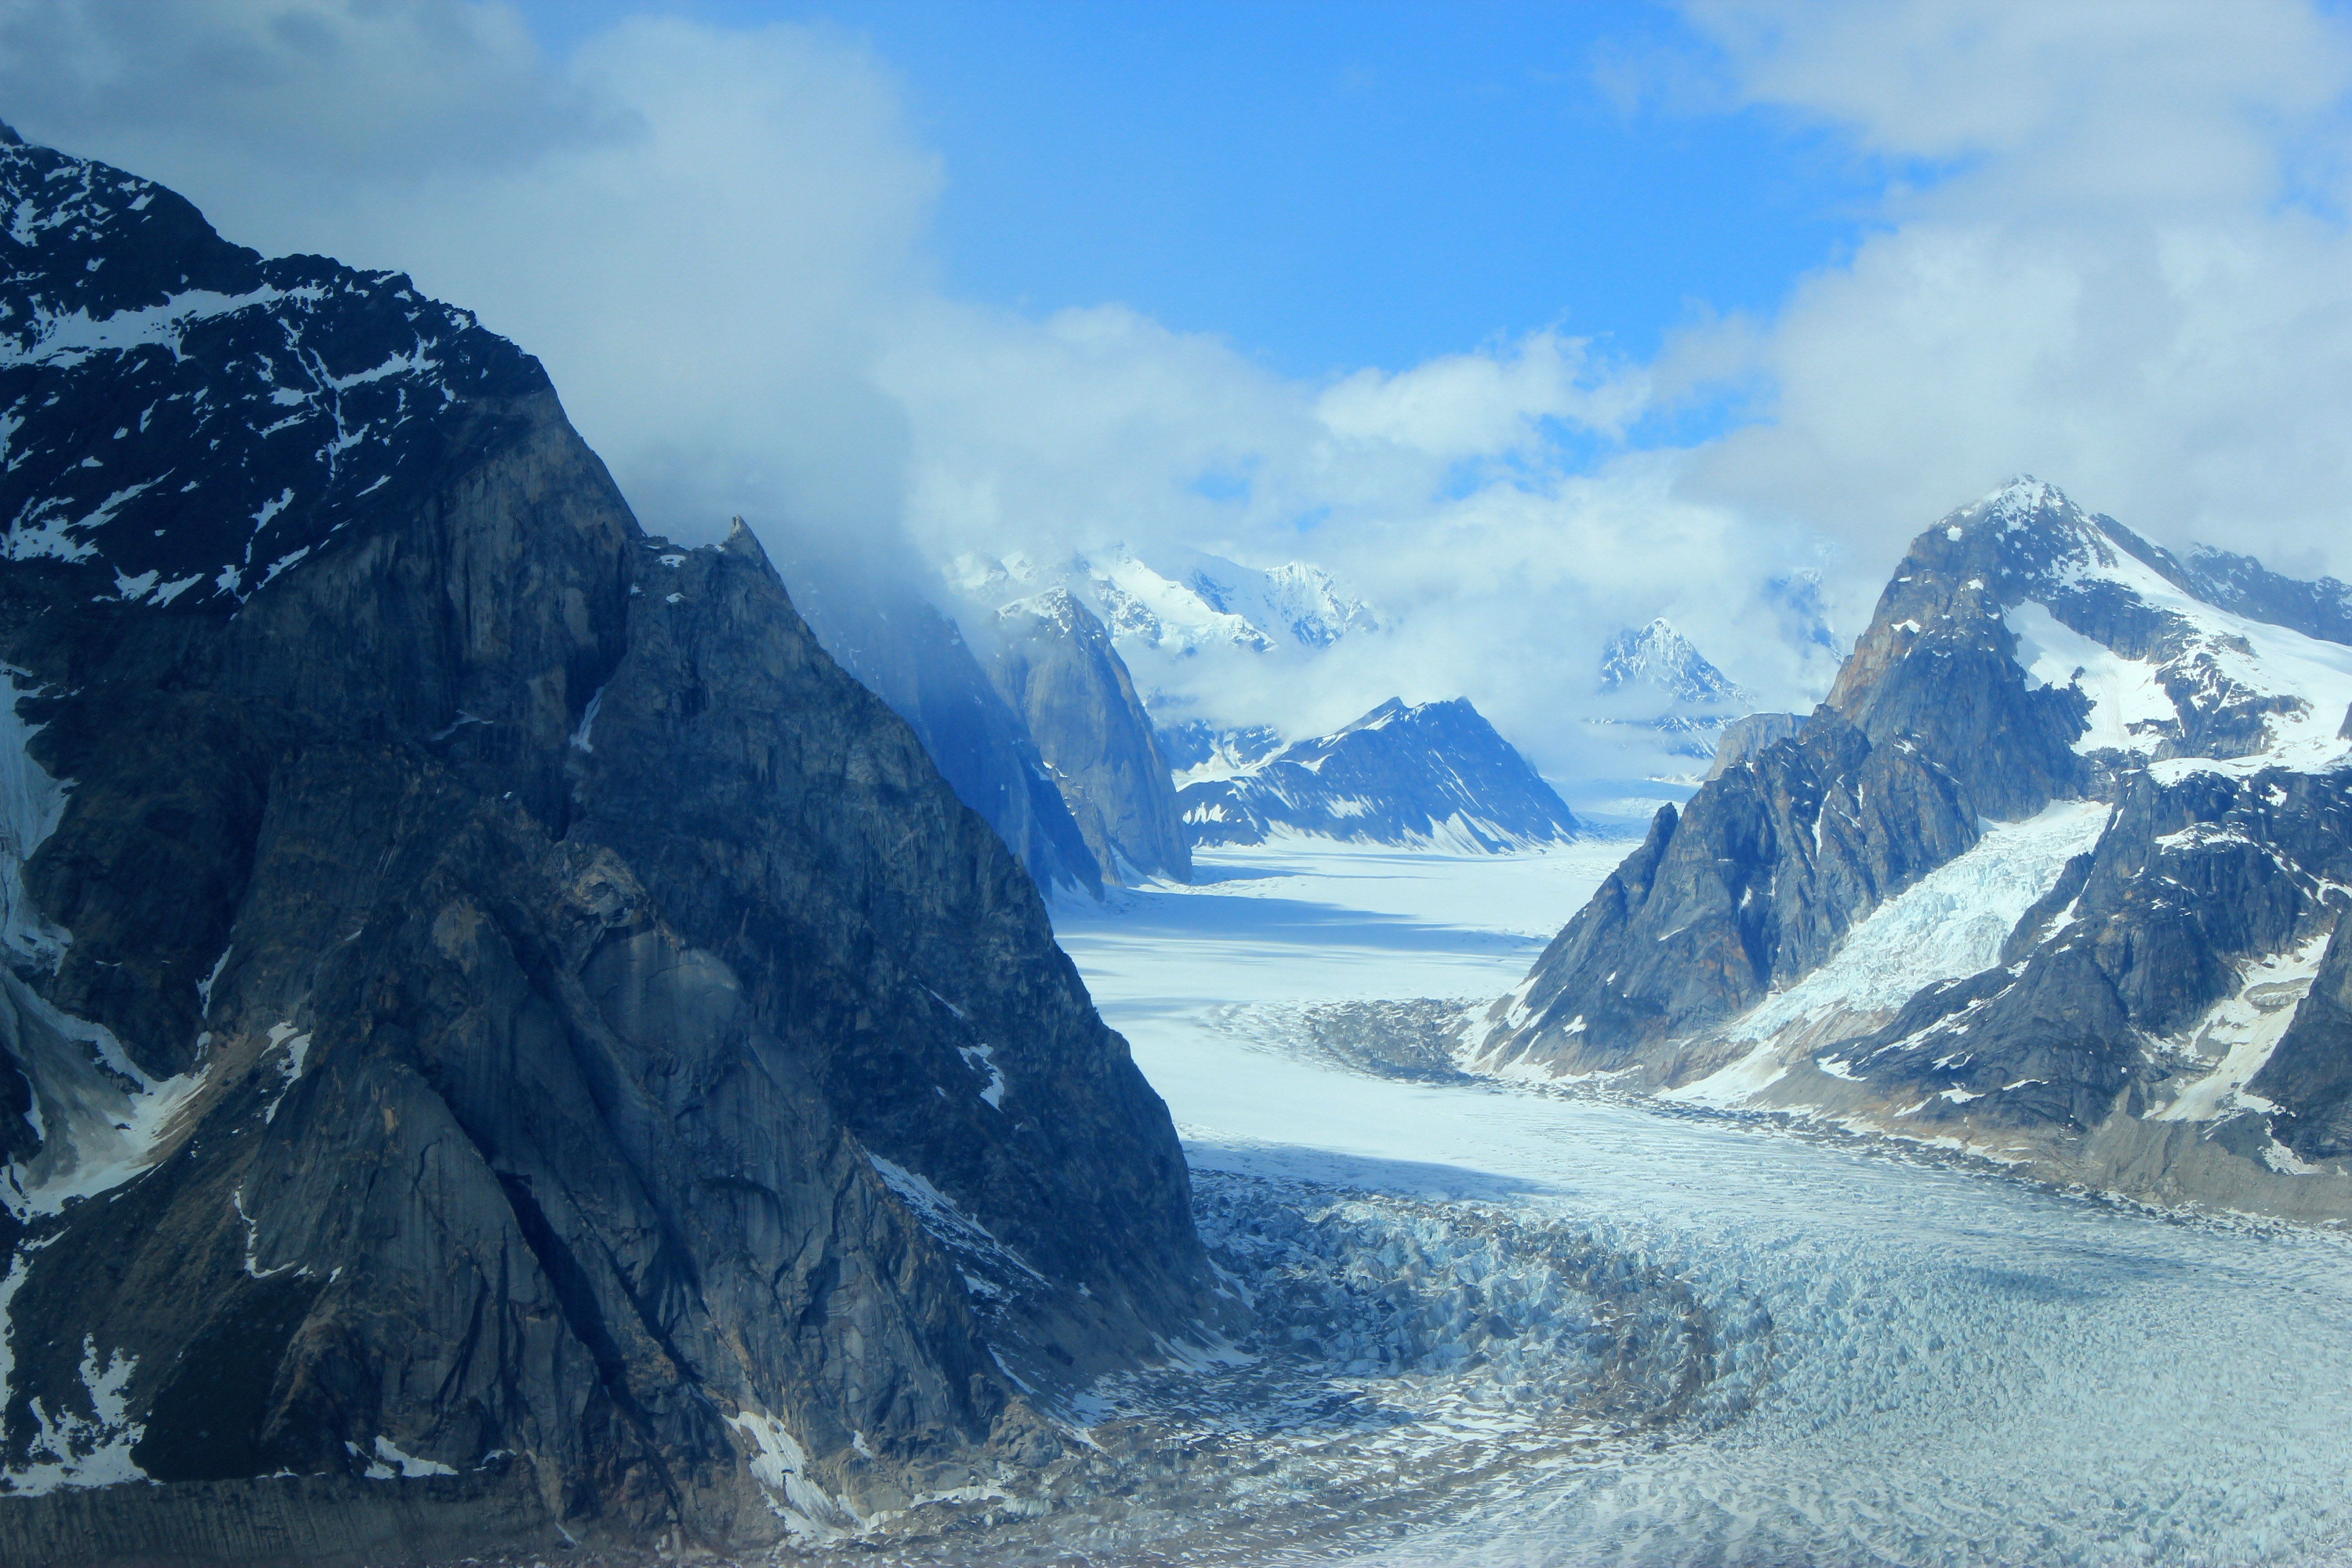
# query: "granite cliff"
[[903, 649], [502, 1039], [1054, 664]]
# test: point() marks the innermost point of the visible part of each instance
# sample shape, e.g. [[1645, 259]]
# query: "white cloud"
[[2132, 276], [2119, 269]]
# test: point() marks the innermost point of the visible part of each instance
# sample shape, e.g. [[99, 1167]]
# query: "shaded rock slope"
[[913, 658], [1433, 775], [2054, 875], [501, 1038], [1053, 663]]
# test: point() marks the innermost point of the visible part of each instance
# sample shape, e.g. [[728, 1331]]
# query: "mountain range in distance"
[[1243, 781]]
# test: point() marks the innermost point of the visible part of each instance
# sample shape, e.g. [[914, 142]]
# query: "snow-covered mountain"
[[1658, 659], [1434, 774], [1669, 707], [2057, 874], [1183, 602]]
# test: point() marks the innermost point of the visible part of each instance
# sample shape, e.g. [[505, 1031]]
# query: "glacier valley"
[[1786, 1347]]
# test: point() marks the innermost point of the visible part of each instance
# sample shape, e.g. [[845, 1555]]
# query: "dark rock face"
[[501, 1025], [2309, 1077], [1437, 773], [913, 658], [2192, 882], [2243, 586], [1744, 738], [1752, 884], [1055, 664], [2025, 653]]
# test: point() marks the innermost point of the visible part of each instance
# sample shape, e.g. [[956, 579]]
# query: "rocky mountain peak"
[[1431, 774], [1658, 657], [182, 420], [2056, 872], [492, 1008]]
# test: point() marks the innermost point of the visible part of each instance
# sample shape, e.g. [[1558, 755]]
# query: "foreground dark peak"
[[186, 418], [1434, 774], [2053, 873], [502, 1038]]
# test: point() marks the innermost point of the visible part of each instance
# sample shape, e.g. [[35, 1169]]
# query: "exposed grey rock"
[[1743, 738], [1055, 664], [1436, 773], [2243, 586], [501, 1025], [2112, 1036], [913, 658], [1192, 744]]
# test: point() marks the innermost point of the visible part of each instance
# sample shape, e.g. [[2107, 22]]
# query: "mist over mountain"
[[1055, 664], [502, 1039]]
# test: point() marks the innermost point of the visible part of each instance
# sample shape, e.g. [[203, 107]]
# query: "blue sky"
[[1531, 322], [1337, 185]]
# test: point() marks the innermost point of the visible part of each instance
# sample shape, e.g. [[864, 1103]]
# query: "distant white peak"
[[1143, 606], [976, 575], [1182, 602], [1054, 606], [1659, 657], [2023, 503]]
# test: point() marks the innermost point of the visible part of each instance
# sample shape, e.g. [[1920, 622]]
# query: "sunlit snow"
[[1962, 1369]]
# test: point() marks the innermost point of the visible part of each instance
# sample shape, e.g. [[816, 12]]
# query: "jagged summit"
[[252, 411], [1659, 658], [1437, 773], [503, 1041], [2053, 874]]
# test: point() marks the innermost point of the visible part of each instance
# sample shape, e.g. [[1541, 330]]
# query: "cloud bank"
[[2110, 249]]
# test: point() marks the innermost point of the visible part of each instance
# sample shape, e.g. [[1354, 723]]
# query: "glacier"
[[1918, 1360]]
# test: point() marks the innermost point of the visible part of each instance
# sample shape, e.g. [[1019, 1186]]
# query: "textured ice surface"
[[1963, 1370]]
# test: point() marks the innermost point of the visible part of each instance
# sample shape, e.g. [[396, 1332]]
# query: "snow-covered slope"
[[1658, 659], [295, 395], [1182, 602], [2057, 873], [1434, 774]]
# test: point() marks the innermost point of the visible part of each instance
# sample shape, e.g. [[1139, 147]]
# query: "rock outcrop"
[[501, 1038], [1435, 774], [2049, 876], [1054, 664], [912, 656]]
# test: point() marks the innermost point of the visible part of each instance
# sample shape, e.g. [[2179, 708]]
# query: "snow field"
[[1950, 1369]]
